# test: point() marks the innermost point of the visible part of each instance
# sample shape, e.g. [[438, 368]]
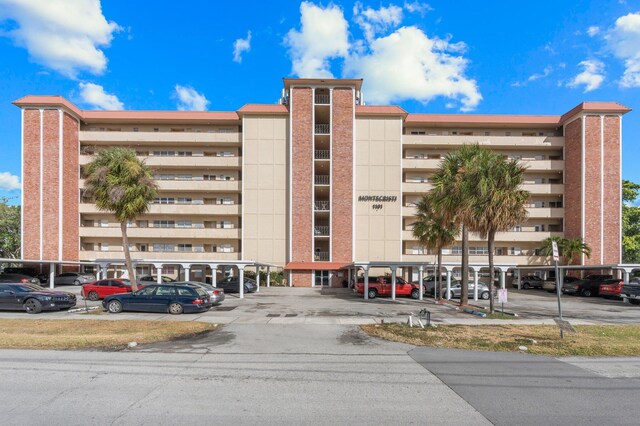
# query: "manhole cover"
[[273, 315], [225, 308], [290, 315]]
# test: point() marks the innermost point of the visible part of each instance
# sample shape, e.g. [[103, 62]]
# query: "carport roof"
[[316, 266]]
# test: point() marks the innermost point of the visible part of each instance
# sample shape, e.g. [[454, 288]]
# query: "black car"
[[586, 287], [171, 298], [231, 285], [9, 277], [33, 299]]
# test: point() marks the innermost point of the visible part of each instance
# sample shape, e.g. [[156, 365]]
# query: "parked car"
[[611, 288], [163, 278], [20, 270], [586, 287], [74, 278], [550, 284], [631, 292], [456, 291], [33, 299], [381, 286], [529, 281], [18, 278], [216, 294], [171, 298], [231, 285], [102, 288]]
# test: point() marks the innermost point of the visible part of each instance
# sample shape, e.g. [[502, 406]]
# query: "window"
[[142, 247], [226, 248], [182, 291], [169, 270], [418, 132], [517, 228], [104, 247], [487, 133], [155, 129], [538, 180], [165, 177], [183, 177], [148, 291], [418, 250], [478, 250], [538, 228], [166, 290], [185, 153], [539, 157], [184, 224], [135, 129], [164, 153], [226, 201], [164, 200], [184, 200], [500, 251], [185, 247], [226, 224], [507, 133], [515, 251], [555, 204], [143, 224], [539, 204], [528, 133], [160, 247], [515, 157], [164, 224], [456, 250], [214, 248], [208, 177]]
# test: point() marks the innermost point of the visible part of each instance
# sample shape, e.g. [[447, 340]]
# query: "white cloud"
[[593, 30], [94, 95], [409, 65], [241, 45], [323, 35], [547, 71], [624, 41], [374, 21], [190, 100], [591, 77], [417, 7], [9, 182], [64, 35]]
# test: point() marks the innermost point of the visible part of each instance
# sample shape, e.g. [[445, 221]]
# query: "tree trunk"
[[464, 290], [438, 289], [490, 245], [127, 256]]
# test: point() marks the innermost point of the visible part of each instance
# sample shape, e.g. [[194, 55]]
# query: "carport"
[[625, 268]]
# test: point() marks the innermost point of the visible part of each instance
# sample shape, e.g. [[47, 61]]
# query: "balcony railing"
[[321, 231], [322, 129], [322, 154], [322, 256], [321, 205], [322, 99], [322, 179]]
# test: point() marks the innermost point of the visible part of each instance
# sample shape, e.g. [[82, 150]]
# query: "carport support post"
[[158, 267], [448, 284], [52, 275], [420, 271], [187, 270], [214, 274], [503, 279], [268, 277], [257, 279], [393, 282], [475, 284], [241, 281], [625, 275], [366, 282]]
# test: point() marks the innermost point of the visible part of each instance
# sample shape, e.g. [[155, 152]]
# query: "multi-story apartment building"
[[312, 184]]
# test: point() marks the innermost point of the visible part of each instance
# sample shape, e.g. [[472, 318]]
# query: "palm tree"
[[122, 184], [433, 232], [547, 245], [499, 201], [454, 196], [573, 248]]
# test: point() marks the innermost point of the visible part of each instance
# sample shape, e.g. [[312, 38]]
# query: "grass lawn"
[[591, 340], [92, 334]]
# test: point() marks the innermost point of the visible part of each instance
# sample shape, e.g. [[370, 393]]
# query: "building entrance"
[[321, 278]]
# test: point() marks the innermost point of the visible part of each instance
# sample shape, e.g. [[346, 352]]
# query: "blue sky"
[[499, 57]]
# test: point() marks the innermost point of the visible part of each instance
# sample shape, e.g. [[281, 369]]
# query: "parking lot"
[[280, 305]]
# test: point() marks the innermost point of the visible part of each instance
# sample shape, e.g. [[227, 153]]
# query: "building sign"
[[377, 200]]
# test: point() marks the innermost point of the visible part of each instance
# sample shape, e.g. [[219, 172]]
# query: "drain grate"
[[224, 308], [273, 315], [290, 315]]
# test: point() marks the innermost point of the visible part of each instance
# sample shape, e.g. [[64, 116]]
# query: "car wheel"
[[634, 301], [372, 293], [76, 282], [175, 309], [525, 286], [93, 296], [33, 306], [484, 295], [115, 307], [586, 292], [415, 293]]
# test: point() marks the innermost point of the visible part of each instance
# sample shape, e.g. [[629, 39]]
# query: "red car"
[[381, 286], [611, 288], [103, 288]]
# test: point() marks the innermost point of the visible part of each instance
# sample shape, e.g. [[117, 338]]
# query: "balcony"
[[161, 233], [322, 99], [544, 165], [322, 206], [506, 237], [431, 141], [321, 256], [543, 213], [178, 209], [321, 179], [322, 154], [322, 129], [139, 138], [544, 188], [204, 257], [416, 187], [321, 231], [411, 163], [192, 162]]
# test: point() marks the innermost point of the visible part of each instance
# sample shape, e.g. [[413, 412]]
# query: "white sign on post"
[[554, 245], [502, 295]]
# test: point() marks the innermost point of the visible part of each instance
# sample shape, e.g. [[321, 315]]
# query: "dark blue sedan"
[[174, 299]]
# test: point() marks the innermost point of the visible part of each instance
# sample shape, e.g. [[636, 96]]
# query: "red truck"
[[381, 286]]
